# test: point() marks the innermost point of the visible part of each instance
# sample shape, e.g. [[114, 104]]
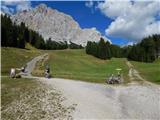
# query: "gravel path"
[[31, 65], [133, 73], [99, 101]]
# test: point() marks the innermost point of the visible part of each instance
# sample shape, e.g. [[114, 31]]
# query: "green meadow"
[[76, 64]]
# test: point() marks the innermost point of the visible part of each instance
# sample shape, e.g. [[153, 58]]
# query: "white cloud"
[[20, 5], [130, 43], [131, 20], [7, 10], [150, 29], [25, 5], [89, 4]]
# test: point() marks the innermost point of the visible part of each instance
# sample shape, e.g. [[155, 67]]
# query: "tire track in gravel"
[[133, 73]]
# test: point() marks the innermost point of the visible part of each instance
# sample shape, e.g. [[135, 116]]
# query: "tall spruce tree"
[[102, 49]]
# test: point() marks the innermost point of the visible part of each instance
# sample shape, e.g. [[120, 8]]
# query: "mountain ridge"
[[50, 23]]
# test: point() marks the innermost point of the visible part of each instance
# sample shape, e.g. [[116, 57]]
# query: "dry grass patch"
[[26, 99]]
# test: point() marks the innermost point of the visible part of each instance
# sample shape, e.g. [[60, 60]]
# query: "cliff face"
[[56, 25]]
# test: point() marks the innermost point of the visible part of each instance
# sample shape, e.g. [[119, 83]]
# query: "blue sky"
[[114, 19]]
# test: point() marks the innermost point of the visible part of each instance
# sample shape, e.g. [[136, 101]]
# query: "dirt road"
[[133, 73], [31, 65], [99, 101]]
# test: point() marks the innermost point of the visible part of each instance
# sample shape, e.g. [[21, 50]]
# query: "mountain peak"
[[56, 25], [41, 7]]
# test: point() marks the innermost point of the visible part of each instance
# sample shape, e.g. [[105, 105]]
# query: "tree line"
[[104, 50], [14, 35], [100, 50], [53, 45], [146, 51]]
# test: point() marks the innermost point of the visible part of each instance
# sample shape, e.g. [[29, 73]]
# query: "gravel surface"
[[99, 101]]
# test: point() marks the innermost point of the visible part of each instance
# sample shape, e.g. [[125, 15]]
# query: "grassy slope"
[[14, 57], [150, 71], [11, 89], [75, 64]]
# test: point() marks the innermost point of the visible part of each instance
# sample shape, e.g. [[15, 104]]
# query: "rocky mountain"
[[56, 25]]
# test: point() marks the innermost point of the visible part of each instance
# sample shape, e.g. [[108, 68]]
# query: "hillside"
[[14, 57], [76, 64], [73, 64]]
